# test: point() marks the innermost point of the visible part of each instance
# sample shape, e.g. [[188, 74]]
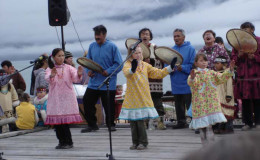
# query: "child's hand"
[[80, 70], [232, 65], [53, 72], [192, 74]]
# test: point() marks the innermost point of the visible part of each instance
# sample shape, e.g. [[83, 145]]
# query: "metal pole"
[[62, 39]]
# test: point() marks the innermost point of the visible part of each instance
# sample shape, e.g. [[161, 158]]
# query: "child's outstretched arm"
[[156, 73], [193, 81]]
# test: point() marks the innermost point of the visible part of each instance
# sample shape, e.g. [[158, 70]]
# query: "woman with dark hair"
[[212, 49], [247, 83], [39, 72]]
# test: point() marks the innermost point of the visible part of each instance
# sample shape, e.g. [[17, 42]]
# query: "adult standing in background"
[[107, 55], [17, 79], [156, 85], [212, 49], [247, 83], [69, 59], [180, 88]]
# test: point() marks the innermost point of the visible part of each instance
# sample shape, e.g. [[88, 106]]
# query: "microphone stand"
[[106, 82]]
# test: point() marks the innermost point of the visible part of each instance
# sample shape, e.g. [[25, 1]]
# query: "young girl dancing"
[[206, 108], [62, 106], [138, 104]]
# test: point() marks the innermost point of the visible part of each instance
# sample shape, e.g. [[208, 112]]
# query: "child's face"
[[41, 94], [119, 90], [218, 66], [59, 58], [201, 63], [138, 54]]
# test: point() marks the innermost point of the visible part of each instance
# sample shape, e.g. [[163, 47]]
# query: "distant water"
[[120, 77]]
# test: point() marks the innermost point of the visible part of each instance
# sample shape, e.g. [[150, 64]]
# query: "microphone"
[[133, 47], [36, 60]]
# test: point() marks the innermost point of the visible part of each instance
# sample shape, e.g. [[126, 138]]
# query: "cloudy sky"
[[25, 32]]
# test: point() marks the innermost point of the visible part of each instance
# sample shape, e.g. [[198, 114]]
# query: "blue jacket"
[[109, 58], [179, 79], [41, 107]]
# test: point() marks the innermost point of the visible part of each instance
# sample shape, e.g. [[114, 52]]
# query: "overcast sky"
[[25, 32]]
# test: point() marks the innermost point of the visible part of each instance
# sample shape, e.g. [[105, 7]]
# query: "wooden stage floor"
[[163, 145]]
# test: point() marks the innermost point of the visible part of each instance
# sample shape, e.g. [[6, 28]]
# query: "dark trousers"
[[90, 99], [63, 134], [250, 106], [182, 101], [139, 135], [157, 101]]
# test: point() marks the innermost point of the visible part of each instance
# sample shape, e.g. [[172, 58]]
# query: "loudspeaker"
[[58, 12]]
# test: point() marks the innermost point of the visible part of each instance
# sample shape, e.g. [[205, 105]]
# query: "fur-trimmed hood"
[[37, 101]]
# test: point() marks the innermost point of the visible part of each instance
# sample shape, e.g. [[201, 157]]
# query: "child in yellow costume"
[[138, 104]]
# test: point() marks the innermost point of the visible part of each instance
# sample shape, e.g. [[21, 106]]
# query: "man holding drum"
[[108, 56], [247, 83], [180, 88]]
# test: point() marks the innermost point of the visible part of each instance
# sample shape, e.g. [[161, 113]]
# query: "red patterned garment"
[[247, 83]]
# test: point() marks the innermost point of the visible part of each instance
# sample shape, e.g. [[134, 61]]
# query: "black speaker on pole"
[[58, 12]]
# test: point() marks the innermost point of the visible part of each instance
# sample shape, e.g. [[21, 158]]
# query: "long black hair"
[[40, 63], [53, 54], [247, 25]]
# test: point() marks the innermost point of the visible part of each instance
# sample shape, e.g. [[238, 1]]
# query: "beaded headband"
[[41, 89], [222, 60]]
